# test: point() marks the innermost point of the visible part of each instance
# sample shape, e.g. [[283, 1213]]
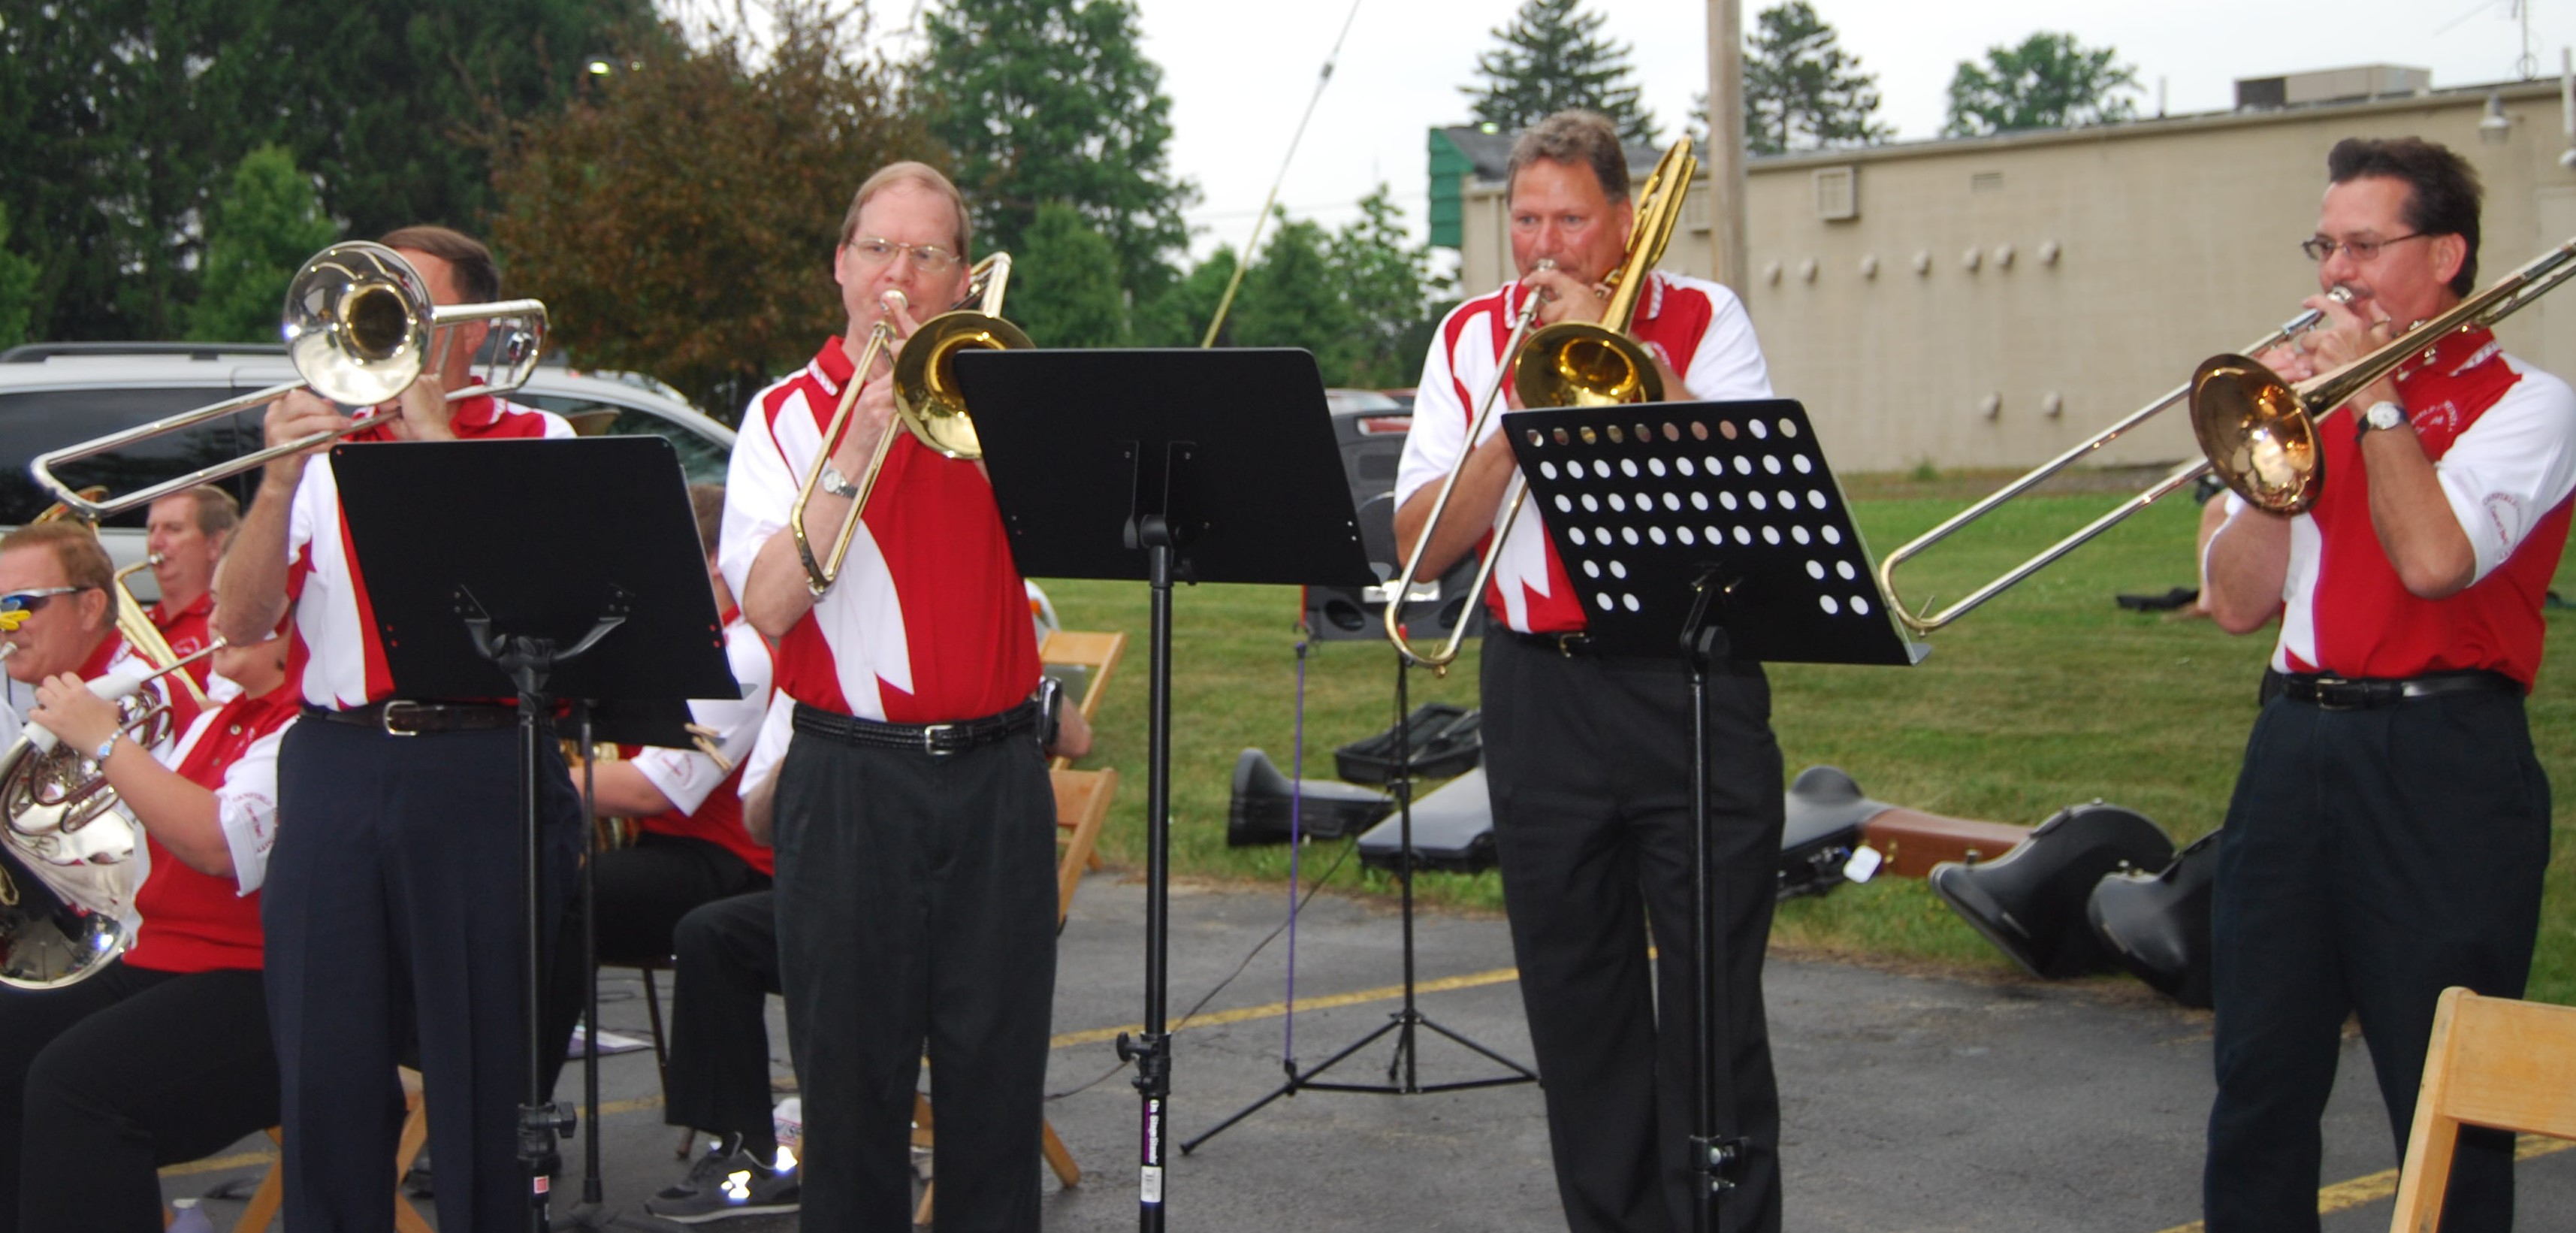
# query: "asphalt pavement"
[[1911, 1102]]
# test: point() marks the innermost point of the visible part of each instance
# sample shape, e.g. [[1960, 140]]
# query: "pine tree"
[[1053, 101], [259, 232], [17, 288], [1801, 90], [1553, 58], [1074, 299]]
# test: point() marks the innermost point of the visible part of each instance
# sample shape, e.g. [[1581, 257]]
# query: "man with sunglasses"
[[390, 908], [2391, 823], [915, 819], [58, 575]]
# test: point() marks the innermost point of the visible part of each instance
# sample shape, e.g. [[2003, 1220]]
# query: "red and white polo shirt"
[[705, 799], [1704, 334], [2502, 437], [186, 632], [196, 922], [929, 622], [336, 660]]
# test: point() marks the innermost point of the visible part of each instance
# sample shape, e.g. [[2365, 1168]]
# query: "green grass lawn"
[[2048, 696]]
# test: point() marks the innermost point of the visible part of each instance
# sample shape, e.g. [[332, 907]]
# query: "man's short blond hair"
[[910, 172]]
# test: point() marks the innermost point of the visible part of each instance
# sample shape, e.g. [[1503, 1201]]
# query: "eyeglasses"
[[928, 258], [2319, 248], [35, 601]]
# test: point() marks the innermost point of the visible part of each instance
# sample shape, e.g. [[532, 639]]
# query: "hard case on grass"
[[1446, 740], [2031, 902], [1266, 801]]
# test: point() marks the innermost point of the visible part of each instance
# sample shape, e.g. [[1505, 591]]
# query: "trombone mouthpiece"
[[2342, 293], [893, 299], [154, 558]]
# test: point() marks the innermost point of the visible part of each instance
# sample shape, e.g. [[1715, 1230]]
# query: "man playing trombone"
[[391, 905], [915, 818], [1587, 757], [2391, 823]]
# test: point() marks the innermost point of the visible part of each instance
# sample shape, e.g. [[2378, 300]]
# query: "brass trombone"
[[359, 327], [926, 401], [2256, 430], [1568, 364]]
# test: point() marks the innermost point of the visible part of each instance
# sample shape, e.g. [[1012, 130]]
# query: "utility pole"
[[1725, 161]]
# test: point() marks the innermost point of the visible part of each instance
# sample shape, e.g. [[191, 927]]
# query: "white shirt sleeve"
[[1439, 429], [246, 807], [759, 488], [1727, 366], [776, 729], [2511, 468], [686, 776]]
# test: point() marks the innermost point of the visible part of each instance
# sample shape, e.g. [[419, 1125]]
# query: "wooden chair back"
[[2496, 1062]]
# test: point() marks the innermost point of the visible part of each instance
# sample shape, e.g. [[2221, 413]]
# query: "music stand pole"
[[1403, 1070], [1152, 1052], [1713, 1155]]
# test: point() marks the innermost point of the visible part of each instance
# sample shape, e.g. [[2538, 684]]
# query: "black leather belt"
[[399, 718], [2336, 693], [935, 740], [1568, 643]]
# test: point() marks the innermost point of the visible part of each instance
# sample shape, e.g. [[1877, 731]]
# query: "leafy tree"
[[1386, 277], [17, 288], [1074, 299], [126, 118], [1554, 58], [1293, 297], [258, 234], [1176, 315], [1052, 101], [681, 218], [1801, 90], [2050, 81]]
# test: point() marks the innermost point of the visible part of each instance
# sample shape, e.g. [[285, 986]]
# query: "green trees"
[[2050, 81], [680, 218], [1553, 57], [263, 227], [1801, 90], [1051, 102], [17, 288]]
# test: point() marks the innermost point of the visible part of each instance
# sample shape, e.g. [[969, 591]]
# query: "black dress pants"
[[395, 912], [2371, 859], [643, 892], [1589, 764], [105, 1081], [916, 902], [724, 969]]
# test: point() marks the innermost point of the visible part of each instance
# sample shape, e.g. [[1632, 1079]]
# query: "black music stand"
[[1706, 531], [540, 570], [1164, 466]]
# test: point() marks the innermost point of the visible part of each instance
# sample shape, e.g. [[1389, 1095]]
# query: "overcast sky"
[[1239, 74]]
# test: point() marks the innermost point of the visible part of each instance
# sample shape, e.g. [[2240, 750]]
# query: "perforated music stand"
[[1700, 532], [1157, 465], [539, 570]]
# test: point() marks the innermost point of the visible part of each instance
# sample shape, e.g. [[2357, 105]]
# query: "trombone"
[[359, 326], [1567, 364], [2257, 432], [926, 401]]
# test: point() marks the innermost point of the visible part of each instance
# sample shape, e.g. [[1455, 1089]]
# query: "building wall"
[[2107, 263]]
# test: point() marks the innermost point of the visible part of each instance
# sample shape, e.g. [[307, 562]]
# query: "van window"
[[703, 460], [34, 421]]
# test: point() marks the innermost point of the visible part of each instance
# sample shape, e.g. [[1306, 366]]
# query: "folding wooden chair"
[[2495, 1062], [1091, 656], [271, 1195]]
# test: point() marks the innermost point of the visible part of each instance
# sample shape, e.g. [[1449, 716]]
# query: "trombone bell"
[[2257, 435]]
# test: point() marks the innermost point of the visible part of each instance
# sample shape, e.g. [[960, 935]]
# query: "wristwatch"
[[2381, 416], [837, 484], [106, 747]]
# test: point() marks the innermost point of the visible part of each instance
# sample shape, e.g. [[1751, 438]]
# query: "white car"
[[58, 394]]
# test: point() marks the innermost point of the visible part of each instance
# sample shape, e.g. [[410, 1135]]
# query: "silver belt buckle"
[[930, 739], [386, 718]]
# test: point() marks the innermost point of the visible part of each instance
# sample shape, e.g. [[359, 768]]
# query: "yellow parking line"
[[2373, 1187]]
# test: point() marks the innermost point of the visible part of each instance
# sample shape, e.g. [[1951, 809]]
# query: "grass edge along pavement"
[[2048, 696]]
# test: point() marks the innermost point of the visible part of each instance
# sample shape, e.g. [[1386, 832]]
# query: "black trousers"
[[725, 968], [1589, 764], [2371, 859], [104, 1082], [916, 902], [394, 914], [643, 892]]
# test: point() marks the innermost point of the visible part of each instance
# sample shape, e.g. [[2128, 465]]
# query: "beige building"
[[1994, 301]]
